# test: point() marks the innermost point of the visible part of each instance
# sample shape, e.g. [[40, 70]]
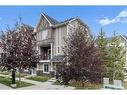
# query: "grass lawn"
[[79, 85], [39, 78], [7, 81], [5, 73]]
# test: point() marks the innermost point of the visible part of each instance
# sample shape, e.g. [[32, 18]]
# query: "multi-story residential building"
[[50, 35]]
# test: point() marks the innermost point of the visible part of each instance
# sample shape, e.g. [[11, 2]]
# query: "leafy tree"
[[83, 59], [19, 46]]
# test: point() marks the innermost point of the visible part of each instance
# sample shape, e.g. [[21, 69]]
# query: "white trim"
[[36, 26], [47, 19], [51, 50], [44, 61], [123, 38]]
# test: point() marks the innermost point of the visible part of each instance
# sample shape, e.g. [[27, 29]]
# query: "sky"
[[109, 18]]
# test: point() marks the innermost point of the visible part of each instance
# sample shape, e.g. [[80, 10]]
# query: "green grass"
[[7, 81], [78, 85], [5, 73], [39, 78], [21, 75]]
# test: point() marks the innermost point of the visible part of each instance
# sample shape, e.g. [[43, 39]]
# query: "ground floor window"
[[46, 68]]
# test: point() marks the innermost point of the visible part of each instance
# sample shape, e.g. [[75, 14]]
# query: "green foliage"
[[116, 60], [39, 78], [102, 44], [112, 53], [21, 75], [80, 85]]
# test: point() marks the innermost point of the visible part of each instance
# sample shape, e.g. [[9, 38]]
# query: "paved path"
[[4, 87], [44, 85], [38, 85]]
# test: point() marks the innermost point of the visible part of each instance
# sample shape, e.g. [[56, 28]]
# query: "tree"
[[19, 46], [116, 59], [82, 56], [112, 54], [102, 44]]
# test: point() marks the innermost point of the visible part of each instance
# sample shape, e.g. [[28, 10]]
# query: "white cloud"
[[120, 18]]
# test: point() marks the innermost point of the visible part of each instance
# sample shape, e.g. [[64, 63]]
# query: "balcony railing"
[[43, 57]]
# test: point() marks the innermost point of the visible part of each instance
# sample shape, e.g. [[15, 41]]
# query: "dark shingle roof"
[[52, 20], [67, 20], [55, 22], [59, 58]]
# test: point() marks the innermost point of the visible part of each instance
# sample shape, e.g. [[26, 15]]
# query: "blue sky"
[[111, 18]]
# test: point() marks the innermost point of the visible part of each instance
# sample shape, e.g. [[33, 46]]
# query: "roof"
[[55, 22], [27, 26], [51, 20], [124, 36], [59, 58]]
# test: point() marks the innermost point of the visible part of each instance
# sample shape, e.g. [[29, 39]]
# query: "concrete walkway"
[[38, 85], [44, 85], [4, 87]]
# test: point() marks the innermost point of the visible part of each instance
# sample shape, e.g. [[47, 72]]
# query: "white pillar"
[[51, 50], [51, 66]]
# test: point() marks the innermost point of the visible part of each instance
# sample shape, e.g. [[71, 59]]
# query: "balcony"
[[45, 53]]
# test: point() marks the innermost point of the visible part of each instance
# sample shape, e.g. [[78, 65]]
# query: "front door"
[[58, 70]]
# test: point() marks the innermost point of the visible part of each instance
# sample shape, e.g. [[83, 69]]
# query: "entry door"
[[58, 68]]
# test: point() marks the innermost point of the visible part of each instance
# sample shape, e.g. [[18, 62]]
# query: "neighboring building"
[[50, 35]]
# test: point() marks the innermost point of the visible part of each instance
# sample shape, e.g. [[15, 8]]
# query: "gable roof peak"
[[50, 19]]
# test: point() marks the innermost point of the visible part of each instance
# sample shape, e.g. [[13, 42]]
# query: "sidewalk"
[[45, 85], [39, 85], [4, 87]]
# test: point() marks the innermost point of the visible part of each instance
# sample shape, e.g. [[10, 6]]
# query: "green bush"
[[21, 75], [39, 78], [80, 85]]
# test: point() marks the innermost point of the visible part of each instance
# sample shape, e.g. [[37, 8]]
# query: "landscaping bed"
[[7, 81], [39, 78], [21, 74], [78, 85]]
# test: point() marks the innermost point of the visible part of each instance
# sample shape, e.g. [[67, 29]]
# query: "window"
[[46, 68]]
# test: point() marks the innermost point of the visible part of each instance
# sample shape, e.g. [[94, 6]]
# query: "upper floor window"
[[44, 34]]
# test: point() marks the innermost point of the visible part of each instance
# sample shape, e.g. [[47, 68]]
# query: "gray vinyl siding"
[[59, 34]]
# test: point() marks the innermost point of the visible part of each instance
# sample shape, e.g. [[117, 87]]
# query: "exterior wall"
[[59, 34]]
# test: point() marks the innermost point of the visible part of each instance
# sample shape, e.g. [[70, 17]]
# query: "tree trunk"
[[13, 76]]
